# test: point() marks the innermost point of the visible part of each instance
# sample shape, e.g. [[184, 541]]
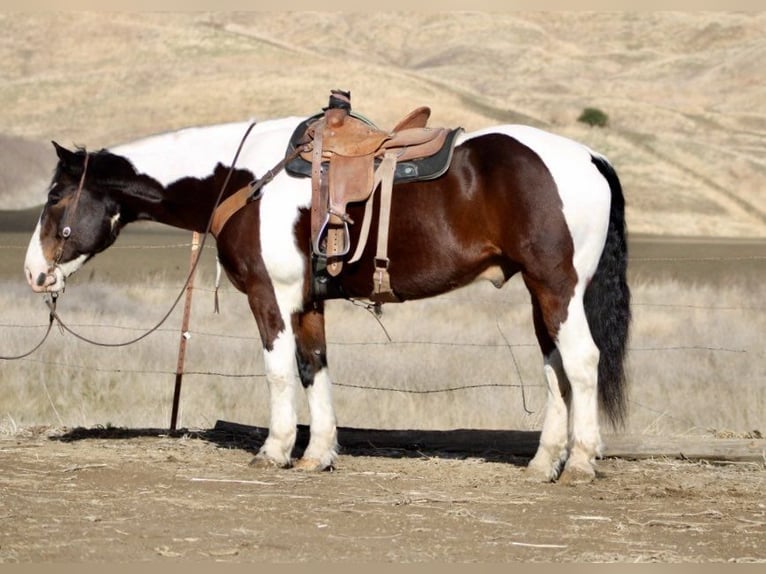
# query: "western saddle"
[[347, 158]]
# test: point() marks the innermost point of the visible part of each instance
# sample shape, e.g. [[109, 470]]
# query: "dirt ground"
[[107, 496]]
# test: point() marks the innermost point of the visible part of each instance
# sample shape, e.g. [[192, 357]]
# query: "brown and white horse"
[[514, 200]]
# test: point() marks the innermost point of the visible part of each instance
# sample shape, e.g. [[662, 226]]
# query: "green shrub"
[[593, 117]]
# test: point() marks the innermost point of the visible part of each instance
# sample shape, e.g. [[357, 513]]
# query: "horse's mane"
[[104, 165]]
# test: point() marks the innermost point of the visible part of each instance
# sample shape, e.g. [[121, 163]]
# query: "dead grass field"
[[696, 358]]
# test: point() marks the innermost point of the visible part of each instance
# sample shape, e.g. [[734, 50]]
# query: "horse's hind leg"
[[311, 353], [552, 450], [570, 431]]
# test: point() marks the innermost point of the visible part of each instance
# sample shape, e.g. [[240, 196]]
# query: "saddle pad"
[[410, 170]]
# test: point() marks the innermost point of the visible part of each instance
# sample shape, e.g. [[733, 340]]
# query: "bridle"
[[69, 213], [66, 233]]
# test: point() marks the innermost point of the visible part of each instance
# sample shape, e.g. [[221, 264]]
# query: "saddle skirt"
[[420, 168]]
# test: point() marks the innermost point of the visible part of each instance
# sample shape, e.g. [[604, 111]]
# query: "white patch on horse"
[[35, 263], [195, 151], [42, 275], [322, 449], [279, 213], [64, 270], [282, 377], [553, 451]]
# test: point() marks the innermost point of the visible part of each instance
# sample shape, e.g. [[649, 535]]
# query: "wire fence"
[[337, 347]]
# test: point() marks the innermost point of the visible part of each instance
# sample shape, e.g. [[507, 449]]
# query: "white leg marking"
[[552, 452], [282, 377], [580, 358], [323, 446]]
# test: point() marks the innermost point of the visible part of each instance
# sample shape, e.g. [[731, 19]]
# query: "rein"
[[252, 191], [66, 234]]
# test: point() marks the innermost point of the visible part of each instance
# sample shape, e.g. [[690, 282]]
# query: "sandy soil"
[[99, 496]]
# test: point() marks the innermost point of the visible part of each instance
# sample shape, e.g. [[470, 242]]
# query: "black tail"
[[607, 304]]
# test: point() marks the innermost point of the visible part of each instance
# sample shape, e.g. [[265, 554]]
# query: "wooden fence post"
[[184, 331]]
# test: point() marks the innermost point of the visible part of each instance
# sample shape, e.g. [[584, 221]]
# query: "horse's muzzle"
[[49, 282]]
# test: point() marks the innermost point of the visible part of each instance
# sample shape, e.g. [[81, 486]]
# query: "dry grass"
[[696, 360]]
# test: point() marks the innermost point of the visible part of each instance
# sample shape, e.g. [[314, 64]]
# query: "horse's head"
[[80, 218]]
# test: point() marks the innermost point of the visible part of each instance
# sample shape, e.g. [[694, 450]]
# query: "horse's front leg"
[[282, 378], [311, 354], [281, 375]]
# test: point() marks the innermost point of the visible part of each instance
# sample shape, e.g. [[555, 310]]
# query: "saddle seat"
[[351, 136]]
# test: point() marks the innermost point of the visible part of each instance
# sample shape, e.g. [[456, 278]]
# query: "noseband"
[[66, 231]]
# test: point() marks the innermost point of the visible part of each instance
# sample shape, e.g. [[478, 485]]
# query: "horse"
[[514, 200]]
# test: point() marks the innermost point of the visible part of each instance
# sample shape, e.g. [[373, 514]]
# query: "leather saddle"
[[347, 158]]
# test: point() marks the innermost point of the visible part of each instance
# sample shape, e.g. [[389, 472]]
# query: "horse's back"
[[195, 151]]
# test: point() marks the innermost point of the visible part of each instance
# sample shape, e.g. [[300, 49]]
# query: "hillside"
[[684, 91]]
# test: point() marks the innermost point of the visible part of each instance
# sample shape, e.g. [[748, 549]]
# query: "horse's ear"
[[61, 151], [69, 159]]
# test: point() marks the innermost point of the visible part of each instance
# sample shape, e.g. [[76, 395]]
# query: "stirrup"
[[321, 233]]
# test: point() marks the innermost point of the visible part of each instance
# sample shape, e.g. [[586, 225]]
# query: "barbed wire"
[[253, 375], [393, 343], [447, 298], [255, 337]]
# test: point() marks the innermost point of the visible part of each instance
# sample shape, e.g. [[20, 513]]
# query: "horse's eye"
[[55, 194]]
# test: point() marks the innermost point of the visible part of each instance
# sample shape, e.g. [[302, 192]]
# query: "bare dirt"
[[107, 496]]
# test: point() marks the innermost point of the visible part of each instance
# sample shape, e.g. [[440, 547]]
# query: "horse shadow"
[[504, 446]]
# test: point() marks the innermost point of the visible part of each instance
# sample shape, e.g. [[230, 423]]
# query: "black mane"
[[103, 164]]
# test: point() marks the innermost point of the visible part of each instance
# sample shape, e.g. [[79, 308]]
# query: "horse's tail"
[[607, 303]]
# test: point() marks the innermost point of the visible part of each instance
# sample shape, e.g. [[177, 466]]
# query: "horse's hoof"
[[577, 474], [266, 463], [311, 465], [542, 469], [539, 474]]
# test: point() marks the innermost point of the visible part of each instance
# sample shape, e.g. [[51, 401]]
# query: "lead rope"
[[40, 344], [52, 304]]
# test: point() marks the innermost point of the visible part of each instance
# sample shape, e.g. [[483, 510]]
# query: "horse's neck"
[[186, 204]]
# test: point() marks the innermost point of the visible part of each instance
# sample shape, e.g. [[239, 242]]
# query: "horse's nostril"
[[41, 278]]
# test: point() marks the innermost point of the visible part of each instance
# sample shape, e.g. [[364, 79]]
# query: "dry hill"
[[684, 91]]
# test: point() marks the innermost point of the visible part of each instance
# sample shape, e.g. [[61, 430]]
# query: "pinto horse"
[[515, 199]]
